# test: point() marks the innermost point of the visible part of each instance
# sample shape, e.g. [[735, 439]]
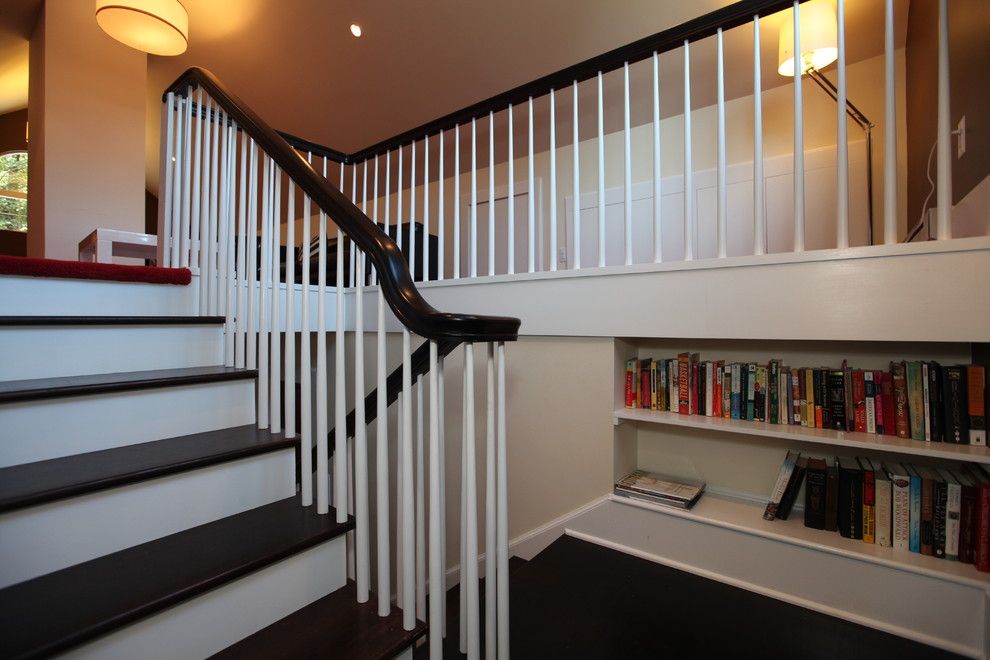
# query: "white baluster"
[[436, 513], [553, 182], [322, 402], [576, 257], [657, 225], [230, 294], [412, 212], [841, 140], [290, 314], [601, 172], [200, 245], [185, 216], [689, 228], [502, 525], [889, 130], [374, 216], [190, 232], [491, 192], [352, 265], [443, 497], [473, 233], [798, 134], [362, 523], [627, 165], [170, 161], [511, 206], [490, 515], [759, 211], [263, 305], [340, 385], [420, 503], [471, 550], [275, 400], [457, 201], [531, 197], [400, 490], [251, 248], [407, 502], [426, 208], [722, 184], [364, 209], [242, 280], [441, 254], [305, 365], [221, 229], [943, 157], [462, 545], [398, 219], [212, 226], [381, 442]]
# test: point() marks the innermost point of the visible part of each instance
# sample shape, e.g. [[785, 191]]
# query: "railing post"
[[251, 339], [491, 193], [275, 389], [263, 306], [362, 562], [340, 385], [471, 504], [381, 440], [511, 205], [408, 579], [627, 167], [722, 222], [531, 197], [889, 130], [305, 364]]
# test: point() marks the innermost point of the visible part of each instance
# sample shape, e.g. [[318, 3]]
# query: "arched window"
[[13, 191]]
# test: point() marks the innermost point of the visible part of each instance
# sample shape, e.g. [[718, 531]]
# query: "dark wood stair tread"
[[108, 320], [335, 626], [70, 476], [62, 386], [60, 610]]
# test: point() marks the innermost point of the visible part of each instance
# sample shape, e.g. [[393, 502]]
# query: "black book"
[[936, 410], [821, 396], [837, 399], [793, 487], [850, 514], [832, 497], [955, 405], [940, 494], [815, 493]]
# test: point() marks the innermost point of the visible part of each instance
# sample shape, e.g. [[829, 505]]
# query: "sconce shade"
[[818, 38], [158, 27]]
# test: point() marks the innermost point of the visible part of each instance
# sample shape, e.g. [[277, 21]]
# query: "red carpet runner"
[[83, 270]]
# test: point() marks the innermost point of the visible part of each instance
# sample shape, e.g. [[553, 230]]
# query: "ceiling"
[[18, 19]]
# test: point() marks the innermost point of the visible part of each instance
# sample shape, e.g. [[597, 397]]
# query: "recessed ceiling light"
[[355, 29]]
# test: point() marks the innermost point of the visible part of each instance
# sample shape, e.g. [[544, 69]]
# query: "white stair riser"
[[46, 538], [215, 620], [48, 352], [39, 430], [43, 296]]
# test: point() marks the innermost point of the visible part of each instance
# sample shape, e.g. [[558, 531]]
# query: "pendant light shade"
[[818, 38], [158, 27]]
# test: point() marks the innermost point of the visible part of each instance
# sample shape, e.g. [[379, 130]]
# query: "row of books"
[[659, 489], [932, 511], [920, 400]]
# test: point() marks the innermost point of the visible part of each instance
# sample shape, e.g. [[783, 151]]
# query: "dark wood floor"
[[580, 600]]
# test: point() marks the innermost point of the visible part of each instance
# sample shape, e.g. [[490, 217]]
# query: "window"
[[13, 191]]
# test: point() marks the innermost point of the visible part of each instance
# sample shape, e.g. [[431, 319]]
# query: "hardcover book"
[[926, 402], [869, 500], [631, 383], [883, 511], [859, 401], [955, 414], [940, 500], [796, 397], [832, 498], [774, 379], [837, 399], [645, 389], [936, 409], [815, 493], [780, 486], [727, 390], [793, 486], [850, 515], [916, 400], [902, 423], [750, 391], [927, 511], [694, 384], [914, 535], [683, 383], [737, 392], [976, 397], [900, 483], [969, 493], [889, 405], [870, 395], [760, 394], [982, 536], [953, 514], [878, 401]]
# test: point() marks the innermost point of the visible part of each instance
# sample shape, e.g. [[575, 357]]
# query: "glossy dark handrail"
[[412, 311]]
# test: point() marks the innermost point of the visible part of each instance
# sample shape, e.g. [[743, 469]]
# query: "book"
[[694, 384], [660, 489], [773, 377], [727, 390], [870, 402], [878, 402], [850, 513], [914, 529], [673, 385], [926, 402], [954, 405], [869, 500], [940, 501], [953, 513], [809, 397], [802, 395], [737, 392], [889, 405], [916, 400], [793, 487], [717, 395], [796, 397], [859, 401], [645, 389], [815, 493], [832, 497], [837, 399], [927, 511], [631, 383], [760, 394], [900, 483], [883, 510], [821, 398], [981, 537], [976, 397], [967, 515], [683, 383], [902, 424], [750, 391], [847, 390], [936, 410], [780, 486]]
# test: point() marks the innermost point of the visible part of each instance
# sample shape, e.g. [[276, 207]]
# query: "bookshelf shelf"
[[867, 441], [747, 517]]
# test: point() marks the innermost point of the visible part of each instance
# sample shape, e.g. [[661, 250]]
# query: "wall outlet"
[[562, 256], [961, 137]]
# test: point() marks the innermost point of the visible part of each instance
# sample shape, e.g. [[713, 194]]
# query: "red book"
[[695, 383], [644, 385], [982, 537], [887, 391], [717, 392], [859, 401], [630, 383], [967, 519], [902, 427], [683, 386]]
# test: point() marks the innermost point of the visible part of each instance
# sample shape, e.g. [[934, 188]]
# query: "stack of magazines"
[[658, 489]]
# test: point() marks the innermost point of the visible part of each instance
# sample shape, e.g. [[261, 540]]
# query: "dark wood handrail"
[[412, 311]]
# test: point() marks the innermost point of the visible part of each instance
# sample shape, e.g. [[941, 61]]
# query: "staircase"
[[144, 514]]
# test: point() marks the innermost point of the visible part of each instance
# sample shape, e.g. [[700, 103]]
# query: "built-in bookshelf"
[[861, 441]]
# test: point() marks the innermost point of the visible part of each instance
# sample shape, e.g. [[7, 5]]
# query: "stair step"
[[70, 476], [24, 320], [60, 610], [50, 388], [334, 626]]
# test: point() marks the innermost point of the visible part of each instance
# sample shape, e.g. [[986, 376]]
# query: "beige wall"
[[87, 117]]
